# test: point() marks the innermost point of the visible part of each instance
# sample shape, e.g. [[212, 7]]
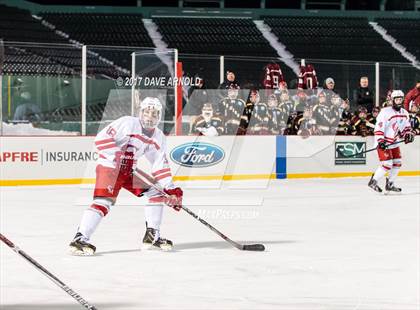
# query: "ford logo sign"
[[197, 154]]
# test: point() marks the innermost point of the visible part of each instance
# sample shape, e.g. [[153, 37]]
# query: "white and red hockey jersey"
[[391, 125], [126, 135]]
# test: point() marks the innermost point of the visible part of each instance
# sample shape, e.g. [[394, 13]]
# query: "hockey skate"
[[389, 187], [80, 247], [373, 184], [152, 241]]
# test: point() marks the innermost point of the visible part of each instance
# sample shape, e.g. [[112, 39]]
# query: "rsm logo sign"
[[350, 153]]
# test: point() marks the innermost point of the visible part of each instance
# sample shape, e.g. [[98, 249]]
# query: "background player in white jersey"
[[120, 145], [392, 123]]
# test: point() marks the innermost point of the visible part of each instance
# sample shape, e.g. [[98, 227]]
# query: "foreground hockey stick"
[[244, 247], [53, 278], [367, 151]]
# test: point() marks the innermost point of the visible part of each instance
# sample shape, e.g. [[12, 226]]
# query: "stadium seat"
[[404, 30]]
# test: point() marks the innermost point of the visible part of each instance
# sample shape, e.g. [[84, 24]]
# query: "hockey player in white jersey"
[[120, 145], [392, 123]]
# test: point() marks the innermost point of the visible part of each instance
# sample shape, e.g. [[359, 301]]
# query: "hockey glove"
[[382, 145], [174, 199], [408, 137], [124, 162]]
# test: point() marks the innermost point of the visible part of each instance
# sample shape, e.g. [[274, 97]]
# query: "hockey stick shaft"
[[52, 277], [153, 184], [369, 150]]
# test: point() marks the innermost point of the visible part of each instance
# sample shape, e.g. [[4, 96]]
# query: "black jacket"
[[363, 97]]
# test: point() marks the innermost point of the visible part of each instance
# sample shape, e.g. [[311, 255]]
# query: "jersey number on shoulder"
[[111, 132]]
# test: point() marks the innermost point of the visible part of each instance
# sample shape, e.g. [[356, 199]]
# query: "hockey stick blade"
[[254, 247], [250, 247]]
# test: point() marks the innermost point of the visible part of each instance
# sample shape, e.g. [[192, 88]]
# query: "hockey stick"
[[367, 151], [244, 247], [53, 278]]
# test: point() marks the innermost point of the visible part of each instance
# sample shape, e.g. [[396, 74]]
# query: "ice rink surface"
[[330, 244]]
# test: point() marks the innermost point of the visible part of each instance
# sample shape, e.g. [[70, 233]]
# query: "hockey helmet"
[[397, 97], [150, 112], [397, 94]]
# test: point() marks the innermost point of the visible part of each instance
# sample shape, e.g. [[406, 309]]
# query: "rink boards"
[[71, 160]]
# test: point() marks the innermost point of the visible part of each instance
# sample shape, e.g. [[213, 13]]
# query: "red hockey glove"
[[174, 199], [124, 162], [409, 137]]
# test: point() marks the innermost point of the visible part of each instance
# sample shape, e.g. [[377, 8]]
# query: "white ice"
[[331, 244]]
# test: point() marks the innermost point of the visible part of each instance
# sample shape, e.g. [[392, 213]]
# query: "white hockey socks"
[[153, 214], [379, 173], [396, 166], [382, 170], [93, 216], [90, 220]]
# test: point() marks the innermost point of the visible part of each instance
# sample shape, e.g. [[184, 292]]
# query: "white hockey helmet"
[[150, 112], [397, 94], [397, 104]]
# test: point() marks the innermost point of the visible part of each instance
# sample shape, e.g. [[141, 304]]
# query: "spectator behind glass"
[[361, 124], [306, 125], [415, 118], [259, 122], [329, 84], [229, 80], [253, 99], [277, 119], [231, 108], [27, 110], [207, 124], [335, 113], [388, 100], [329, 89], [286, 105], [344, 125], [322, 113], [300, 100], [374, 115], [412, 97], [291, 126], [363, 96]]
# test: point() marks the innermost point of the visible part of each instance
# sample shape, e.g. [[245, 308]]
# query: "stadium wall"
[[71, 160]]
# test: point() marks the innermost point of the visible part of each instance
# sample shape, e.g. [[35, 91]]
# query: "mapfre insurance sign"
[[74, 158], [46, 157]]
